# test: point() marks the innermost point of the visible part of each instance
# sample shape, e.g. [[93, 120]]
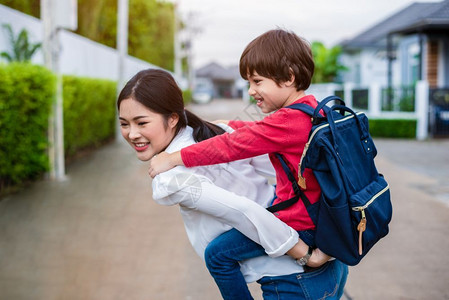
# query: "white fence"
[[79, 56], [374, 107]]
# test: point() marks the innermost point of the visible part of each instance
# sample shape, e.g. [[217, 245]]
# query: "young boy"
[[279, 67]]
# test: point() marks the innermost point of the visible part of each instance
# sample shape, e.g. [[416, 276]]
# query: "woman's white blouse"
[[213, 199]]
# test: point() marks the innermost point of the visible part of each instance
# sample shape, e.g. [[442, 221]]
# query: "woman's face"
[[144, 129]]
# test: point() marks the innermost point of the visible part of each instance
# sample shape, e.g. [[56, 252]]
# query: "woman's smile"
[[140, 147]]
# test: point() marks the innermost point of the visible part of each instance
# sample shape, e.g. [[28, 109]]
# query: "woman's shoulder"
[[183, 139]]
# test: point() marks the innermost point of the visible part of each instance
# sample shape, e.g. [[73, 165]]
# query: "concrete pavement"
[[99, 235]]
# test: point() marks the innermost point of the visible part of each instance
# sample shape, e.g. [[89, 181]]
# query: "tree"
[[21, 48], [31, 7], [97, 20], [327, 65], [151, 26], [151, 32]]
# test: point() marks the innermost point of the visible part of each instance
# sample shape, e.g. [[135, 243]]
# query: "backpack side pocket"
[[371, 212]]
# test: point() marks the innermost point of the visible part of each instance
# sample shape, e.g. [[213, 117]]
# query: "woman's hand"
[[318, 258], [298, 250], [163, 162]]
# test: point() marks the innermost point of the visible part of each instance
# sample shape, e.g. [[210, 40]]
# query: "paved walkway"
[[99, 235]]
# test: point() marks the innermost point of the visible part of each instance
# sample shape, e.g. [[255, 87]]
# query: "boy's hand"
[[163, 162], [318, 258]]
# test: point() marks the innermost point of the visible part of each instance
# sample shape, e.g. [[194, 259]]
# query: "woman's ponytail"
[[202, 130]]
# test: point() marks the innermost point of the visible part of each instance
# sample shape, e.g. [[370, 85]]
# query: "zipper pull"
[[301, 181], [361, 228]]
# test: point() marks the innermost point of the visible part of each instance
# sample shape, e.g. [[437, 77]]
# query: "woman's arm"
[[199, 193]]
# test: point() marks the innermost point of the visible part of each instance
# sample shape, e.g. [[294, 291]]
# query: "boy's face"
[[269, 95]]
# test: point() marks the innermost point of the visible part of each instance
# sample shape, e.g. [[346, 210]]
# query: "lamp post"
[[122, 48], [177, 42], [56, 15]]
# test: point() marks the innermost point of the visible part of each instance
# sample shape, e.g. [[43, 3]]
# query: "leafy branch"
[[21, 48]]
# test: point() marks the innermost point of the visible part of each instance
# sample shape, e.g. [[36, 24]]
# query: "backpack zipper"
[[301, 179], [360, 208], [362, 225]]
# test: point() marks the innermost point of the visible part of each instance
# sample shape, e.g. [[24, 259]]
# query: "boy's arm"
[[236, 124], [165, 161], [270, 135], [261, 163], [248, 141]]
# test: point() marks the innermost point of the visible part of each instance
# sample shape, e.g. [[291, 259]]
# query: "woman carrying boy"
[[279, 67]]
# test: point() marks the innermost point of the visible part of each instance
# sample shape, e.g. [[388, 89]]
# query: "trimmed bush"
[[393, 128], [89, 113], [26, 93]]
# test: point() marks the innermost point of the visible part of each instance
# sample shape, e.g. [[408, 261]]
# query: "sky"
[[223, 28]]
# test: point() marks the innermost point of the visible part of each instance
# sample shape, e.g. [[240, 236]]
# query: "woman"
[[216, 198]]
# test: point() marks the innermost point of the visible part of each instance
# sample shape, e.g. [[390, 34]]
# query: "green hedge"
[[393, 128], [26, 93], [89, 113]]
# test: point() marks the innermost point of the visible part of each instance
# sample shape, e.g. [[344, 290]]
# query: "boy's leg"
[[222, 257]]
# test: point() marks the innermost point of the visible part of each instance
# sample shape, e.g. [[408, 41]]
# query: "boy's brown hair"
[[277, 54]]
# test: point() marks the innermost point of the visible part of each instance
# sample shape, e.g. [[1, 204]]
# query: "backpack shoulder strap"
[[298, 193], [302, 107], [316, 117]]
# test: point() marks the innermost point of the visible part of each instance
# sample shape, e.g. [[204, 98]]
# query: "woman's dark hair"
[[157, 90]]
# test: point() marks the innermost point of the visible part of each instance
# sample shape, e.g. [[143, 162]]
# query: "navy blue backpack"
[[355, 209]]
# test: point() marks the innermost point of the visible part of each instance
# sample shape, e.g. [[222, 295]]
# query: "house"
[[410, 45], [226, 82]]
